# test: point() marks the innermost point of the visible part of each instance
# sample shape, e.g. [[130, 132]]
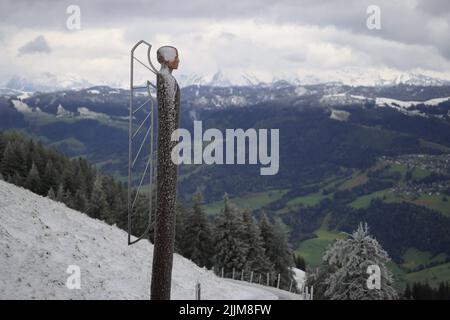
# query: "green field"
[[252, 201], [313, 249], [433, 276], [309, 200], [414, 258], [364, 201]]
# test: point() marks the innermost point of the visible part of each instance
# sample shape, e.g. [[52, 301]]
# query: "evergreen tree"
[[299, 262], [80, 201], [33, 181], [408, 292], [49, 178], [198, 237], [98, 206], [60, 194], [51, 194], [278, 251], [257, 260], [180, 232], [14, 161], [230, 249], [347, 262]]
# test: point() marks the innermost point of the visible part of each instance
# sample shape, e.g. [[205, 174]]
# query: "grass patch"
[[313, 249], [364, 201], [434, 202], [433, 275], [309, 200], [251, 202], [356, 180]]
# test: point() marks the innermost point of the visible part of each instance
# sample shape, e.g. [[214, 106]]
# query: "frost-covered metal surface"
[[168, 121]]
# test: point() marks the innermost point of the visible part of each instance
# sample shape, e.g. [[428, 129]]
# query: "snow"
[[40, 238], [61, 112], [406, 104], [85, 113], [168, 53], [93, 91], [21, 106], [339, 115], [300, 277]]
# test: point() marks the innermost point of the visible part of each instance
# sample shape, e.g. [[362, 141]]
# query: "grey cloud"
[[38, 45]]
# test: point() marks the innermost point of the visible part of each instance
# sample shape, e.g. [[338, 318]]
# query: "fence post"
[[268, 279], [290, 287], [222, 272], [233, 273], [312, 292], [260, 275], [278, 282], [197, 291], [251, 277], [242, 275]]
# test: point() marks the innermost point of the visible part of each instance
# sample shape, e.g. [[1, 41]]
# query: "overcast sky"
[[266, 39]]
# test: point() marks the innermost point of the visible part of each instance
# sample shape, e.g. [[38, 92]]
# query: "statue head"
[[168, 56]]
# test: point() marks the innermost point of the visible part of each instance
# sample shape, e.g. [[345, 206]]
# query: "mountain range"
[[378, 153], [47, 82]]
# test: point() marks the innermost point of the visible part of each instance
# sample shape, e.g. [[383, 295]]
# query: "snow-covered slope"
[[40, 238]]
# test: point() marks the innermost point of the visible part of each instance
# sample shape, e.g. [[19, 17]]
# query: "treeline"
[[236, 243], [423, 291], [234, 240], [26, 163]]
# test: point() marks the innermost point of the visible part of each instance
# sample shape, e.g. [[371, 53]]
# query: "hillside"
[[40, 238]]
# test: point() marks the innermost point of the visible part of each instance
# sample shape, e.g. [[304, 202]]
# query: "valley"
[[347, 154]]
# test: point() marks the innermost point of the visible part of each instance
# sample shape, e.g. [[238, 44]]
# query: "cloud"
[[38, 45], [264, 38]]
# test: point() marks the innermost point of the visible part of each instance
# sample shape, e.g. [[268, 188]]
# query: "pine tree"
[[60, 193], [348, 261], [98, 206], [230, 249], [299, 262], [198, 236], [180, 233], [408, 292], [80, 201], [257, 261], [49, 179], [51, 194], [278, 251], [14, 161], [33, 181]]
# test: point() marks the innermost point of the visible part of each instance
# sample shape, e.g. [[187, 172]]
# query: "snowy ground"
[[40, 238]]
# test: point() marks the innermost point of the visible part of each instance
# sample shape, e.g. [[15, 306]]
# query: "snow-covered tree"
[[33, 181], [257, 260], [346, 263], [51, 194], [277, 250], [98, 205], [230, 248], [198, 236], [60, 193]]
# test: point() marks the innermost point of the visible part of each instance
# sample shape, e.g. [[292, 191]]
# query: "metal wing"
[[141, 155]]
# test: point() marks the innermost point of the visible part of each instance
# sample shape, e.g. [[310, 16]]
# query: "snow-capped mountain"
[[41, 238], [47, 82]]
